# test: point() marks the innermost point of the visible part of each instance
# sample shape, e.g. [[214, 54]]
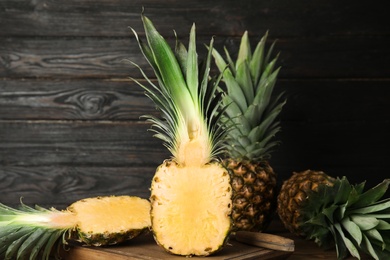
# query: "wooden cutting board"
[[144, 247]]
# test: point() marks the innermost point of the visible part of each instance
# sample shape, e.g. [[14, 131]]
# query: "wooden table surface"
[[304, 250]]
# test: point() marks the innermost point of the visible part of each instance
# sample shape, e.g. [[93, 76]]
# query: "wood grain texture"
[[222, 17], [330, 57], [60, 186], [87, 99], [78, 143], [122, 100]]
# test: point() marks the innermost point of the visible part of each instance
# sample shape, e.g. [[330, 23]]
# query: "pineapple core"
[[191, 208], [194, 153]]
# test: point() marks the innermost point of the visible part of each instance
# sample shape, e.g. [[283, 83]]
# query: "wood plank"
[[103, 143], [59, 186], [73, 100], [111, 18], [69, 58], [308, 100], [329, 57]]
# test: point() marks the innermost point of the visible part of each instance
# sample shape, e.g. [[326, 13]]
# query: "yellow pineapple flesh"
[[191, 205], [110, 220]]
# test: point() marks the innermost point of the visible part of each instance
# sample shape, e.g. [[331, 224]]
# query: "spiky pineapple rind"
[[107, 239], [254, 194]]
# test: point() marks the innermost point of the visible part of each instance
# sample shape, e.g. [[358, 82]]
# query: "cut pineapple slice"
[[110, 220], [191, 208]]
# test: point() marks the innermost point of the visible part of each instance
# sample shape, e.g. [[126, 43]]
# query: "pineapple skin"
[[106, 239], [294, 194], [254, 187]]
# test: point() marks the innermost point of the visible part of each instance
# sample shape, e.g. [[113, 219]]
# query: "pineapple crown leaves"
[[355, 220], [252, 109], [186, 95], [25, 234]]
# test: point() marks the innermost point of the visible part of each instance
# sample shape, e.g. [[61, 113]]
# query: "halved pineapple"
[[110, 220], [191, 208], [191, 192], [33, 232]]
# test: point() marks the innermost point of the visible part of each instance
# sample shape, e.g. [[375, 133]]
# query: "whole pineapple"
[[251, 116], [333, 212], [32, 233], [191, 192]]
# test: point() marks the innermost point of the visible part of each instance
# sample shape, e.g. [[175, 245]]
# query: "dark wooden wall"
[[69, 115]]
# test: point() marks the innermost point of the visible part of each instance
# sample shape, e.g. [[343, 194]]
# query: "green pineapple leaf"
[[341, 248], [13, 248], [236, 93], [372, 195], [374, 234], [365, 222], [30, 242], [344, 190], [257, 61], [252, 110], [243, 77], [379, 206], [368, 247], [347, 242], [383, 225], [192, 66]]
